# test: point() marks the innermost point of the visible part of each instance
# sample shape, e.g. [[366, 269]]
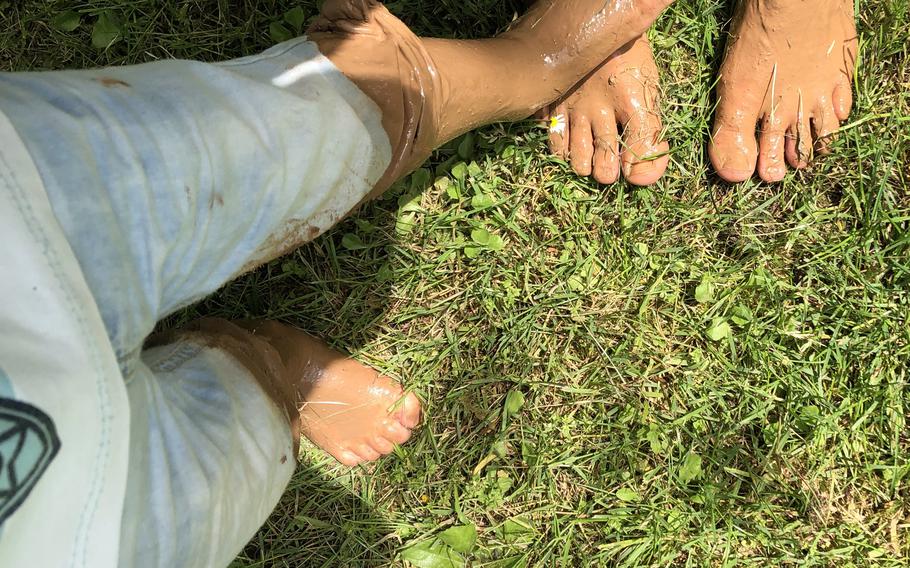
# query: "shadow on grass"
[[320, 521]]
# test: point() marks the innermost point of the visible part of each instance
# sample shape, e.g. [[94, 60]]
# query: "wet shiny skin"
[[346, 408], [352, 412], [625, 93], [788, 68], [447, 87]]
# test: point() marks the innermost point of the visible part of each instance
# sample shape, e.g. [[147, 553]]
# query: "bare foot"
[[624, 91], [431, 90], [346, 408], [788, 68]]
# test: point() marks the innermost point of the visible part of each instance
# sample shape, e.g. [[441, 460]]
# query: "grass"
[[579, 412]]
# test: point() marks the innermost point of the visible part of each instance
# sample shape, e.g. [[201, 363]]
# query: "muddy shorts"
[[125, 194]]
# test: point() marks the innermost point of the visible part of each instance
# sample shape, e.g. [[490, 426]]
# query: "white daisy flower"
[[558, 124]]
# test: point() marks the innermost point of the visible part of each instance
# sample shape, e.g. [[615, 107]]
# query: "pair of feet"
[[783, 89], [428, 91], [788, 67]]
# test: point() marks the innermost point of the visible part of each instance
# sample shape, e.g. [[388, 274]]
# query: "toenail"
[[641, 167], [737, 169], [774, 173], [734, 175], [349, 458]]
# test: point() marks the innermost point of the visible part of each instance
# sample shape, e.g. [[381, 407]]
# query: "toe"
[[605, 165], [581, 144], [382, 445], [843, 100], [771, 165], [826, 125], [396, 433], [366, 452], [644, 155], [347, 457], [733, 149], [559, 131], [798, 144], [408, 413]]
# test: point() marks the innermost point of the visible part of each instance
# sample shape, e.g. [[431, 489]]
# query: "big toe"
[[644, 154], [644, 166], [408, 412], [733, 150]]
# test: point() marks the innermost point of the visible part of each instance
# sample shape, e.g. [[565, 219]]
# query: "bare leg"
[[788, 68], [431, 90]]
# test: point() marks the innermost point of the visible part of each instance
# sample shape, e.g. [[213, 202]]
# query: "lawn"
[[692, 374]]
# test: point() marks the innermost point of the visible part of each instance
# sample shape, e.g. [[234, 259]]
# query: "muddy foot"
[[624, 92], [787, 69]]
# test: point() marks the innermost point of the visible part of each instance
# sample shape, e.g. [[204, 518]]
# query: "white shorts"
[[125, 194]]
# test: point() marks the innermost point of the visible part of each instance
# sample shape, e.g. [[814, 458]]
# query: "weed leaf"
[[690, 468], [461, 538], [106, 31], [66, 21], [430, 555]]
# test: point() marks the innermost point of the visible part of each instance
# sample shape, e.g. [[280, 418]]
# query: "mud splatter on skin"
[[621, 98], [110, 82], [788, 68], [432, 90]]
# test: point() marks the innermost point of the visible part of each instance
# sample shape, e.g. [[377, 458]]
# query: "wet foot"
[[346, 408], [431, 90], [624, 92], [788, 70]]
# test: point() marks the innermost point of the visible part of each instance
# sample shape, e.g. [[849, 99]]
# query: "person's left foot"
[[623, 92], [429, 91]]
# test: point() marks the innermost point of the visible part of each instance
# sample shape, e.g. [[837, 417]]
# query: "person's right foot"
[[346, 408], [624, 91], [788, 68]]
